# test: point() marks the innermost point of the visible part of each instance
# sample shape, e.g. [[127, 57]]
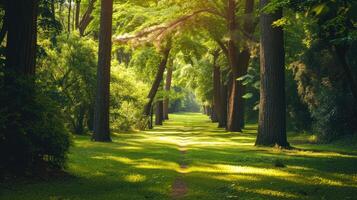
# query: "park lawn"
[[217, 165]]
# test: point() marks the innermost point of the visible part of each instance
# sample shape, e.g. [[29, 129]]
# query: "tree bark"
[[159, 113], [272, 108], [167, 90], [101, 116], [224, 99], [78, 10], [87, 18], [156, 84], [217, 89], [22, 36], [69, 16], [233, 114], [239, 65]]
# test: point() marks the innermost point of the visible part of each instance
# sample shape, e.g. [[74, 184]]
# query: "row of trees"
[[228, 108], [287, 60]]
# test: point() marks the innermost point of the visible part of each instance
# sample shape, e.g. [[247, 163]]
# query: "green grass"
[[221, 165]]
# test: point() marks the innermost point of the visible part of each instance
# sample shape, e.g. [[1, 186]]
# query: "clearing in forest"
[[189, 158]]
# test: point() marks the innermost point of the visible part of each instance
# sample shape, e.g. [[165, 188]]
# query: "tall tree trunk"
[[217, 89], [167, 90], [78, 11], [233, 115], [156, 84], [224, 99], [22, 36], [239, 65], [159, 113], [272, 108], [69, 16], [101, 116]]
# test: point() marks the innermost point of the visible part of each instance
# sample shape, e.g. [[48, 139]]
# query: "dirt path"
[[179, 187]]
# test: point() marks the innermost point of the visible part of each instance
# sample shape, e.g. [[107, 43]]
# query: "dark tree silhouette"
[[101, 114]]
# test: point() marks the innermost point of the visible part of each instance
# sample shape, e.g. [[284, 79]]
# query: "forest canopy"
[[72, 68]]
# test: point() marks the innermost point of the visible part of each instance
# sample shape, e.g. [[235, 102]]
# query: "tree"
[[167, 90], [272, 108], [101, 113], [217, 104], [156, 84], [22, 36], [159, 113]]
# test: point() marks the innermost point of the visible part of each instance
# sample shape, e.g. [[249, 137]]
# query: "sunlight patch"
[[135, 178], [267, 192]]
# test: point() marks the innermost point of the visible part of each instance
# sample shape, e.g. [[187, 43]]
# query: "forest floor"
[[189, 158]]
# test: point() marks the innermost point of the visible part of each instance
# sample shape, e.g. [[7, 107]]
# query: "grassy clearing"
[[221, 165]]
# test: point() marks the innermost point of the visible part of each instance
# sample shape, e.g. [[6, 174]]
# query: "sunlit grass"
[[218, 165]]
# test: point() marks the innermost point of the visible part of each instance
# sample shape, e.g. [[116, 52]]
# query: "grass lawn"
[[209, 162]]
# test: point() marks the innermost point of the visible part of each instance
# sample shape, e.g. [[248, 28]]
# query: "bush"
[[323, 88], [32, 131], [128, 99]]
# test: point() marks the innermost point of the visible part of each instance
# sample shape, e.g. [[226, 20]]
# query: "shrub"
[[32, 131]]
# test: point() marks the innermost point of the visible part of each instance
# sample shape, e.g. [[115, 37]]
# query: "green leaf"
[[320, 9], [248, 96]]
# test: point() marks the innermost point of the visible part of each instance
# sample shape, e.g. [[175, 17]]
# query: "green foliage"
[[69, 67], [127, 100], [33, 136], [327, 95]]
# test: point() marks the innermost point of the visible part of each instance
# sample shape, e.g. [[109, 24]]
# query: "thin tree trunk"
[[3, 30], [224, 100], [69, 16], [159, 113], [217, 105], [167, 90], [151, 118], [78, 11], [87, 18], [156, 84], [272, 108], [22, 36], [101, 116]]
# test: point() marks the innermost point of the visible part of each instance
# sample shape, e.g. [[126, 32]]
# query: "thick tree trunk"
[[233, 115], [101, 116], [272, 108], [159, 113], [87, 18], [22, 36], [167, 90], [239, 65], [156, 84]]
